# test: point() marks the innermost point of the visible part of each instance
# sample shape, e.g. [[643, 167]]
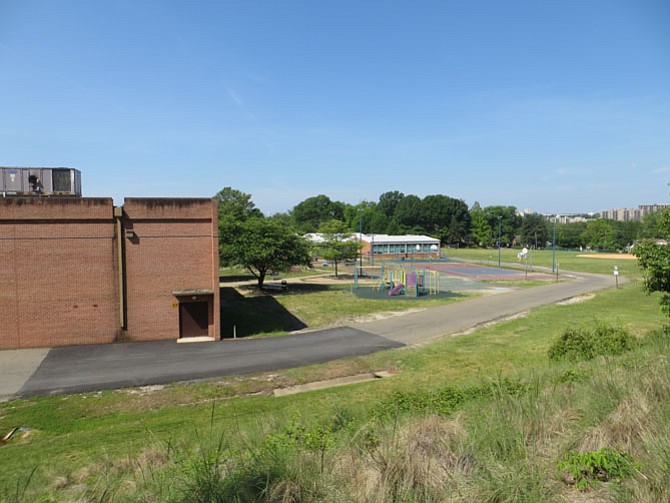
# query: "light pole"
[[372, 250], [553, 248], [499, 238], [360, 237], [616, 276]]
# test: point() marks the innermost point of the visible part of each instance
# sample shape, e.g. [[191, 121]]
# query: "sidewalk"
[[16, 367], [452, 319]]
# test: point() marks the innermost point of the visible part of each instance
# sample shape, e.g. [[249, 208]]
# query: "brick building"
[[82, 271]]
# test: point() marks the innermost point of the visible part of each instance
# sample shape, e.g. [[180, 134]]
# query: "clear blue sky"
[[555, 106]]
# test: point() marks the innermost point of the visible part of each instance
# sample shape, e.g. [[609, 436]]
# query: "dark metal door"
[[193, 319]]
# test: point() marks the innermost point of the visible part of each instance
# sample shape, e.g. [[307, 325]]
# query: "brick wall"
[[59, 277], [58, 272], [174, 248]]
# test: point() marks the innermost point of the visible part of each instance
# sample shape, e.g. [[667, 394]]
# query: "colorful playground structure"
[[400, 280], [435, 277]]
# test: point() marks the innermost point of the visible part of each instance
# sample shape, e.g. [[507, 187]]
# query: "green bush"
[[574, 344], [586, 469], [577, 344]]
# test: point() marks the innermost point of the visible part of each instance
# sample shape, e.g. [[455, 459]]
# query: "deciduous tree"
[[388, 202], [569, 235], [234, 207], [337, 244], [599, 234], [534, 230], [261, 245], [479, 227], [408, 211], [511, 221], [309, 214], [654, 260]]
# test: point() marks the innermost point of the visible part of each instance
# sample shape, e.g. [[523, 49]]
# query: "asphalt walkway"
[[422, 326], [87, 368], [77, 369]]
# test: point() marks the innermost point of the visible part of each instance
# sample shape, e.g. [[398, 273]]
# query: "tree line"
[[270, 243]]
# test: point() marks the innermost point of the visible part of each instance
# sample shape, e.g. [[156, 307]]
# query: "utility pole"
[[499, 238], [553, 248], [360, 238]]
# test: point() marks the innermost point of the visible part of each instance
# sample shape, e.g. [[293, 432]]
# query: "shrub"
[[583, 344], [574, 344], [612, 340], [586, 469]]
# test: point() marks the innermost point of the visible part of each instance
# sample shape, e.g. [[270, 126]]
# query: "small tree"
[[261, 245], [654, 259], [337, 243], [479, 227]]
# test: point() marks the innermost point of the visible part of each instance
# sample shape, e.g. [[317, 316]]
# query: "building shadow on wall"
[[254, 315]]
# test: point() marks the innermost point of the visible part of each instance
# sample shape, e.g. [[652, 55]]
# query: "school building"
[[79, 270], [410, 247]]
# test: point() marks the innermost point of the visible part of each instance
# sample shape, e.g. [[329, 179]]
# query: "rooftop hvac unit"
[[40, 182]]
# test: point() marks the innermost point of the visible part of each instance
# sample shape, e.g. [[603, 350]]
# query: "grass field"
[[566, 260], [309, 305], [171, 443]]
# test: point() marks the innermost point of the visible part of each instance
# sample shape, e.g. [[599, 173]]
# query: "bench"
[[277, 287]]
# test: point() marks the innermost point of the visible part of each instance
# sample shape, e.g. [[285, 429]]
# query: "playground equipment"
[[404, 281], [396, 290]]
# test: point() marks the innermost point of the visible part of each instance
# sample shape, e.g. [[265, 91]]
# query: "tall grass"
[[504, 444], [485, 416]]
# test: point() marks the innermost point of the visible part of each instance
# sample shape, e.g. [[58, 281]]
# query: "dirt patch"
[[327, 279], [609, 256], [379, 316], [576, 300], [471, 330], [144, 390]]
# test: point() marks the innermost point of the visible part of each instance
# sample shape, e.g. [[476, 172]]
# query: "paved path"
[[16, 367], [86, 368], [418, 327], [108, 366]]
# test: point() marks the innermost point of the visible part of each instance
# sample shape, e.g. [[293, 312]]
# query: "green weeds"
[[586, 469], [577, 344], [442, 401]]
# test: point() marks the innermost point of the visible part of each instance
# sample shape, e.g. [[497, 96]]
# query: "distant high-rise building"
[[632, 214]]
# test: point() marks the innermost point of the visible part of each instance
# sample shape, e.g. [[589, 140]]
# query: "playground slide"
[[396, 290]]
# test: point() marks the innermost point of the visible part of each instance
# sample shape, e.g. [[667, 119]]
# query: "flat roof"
[[380, 239]]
